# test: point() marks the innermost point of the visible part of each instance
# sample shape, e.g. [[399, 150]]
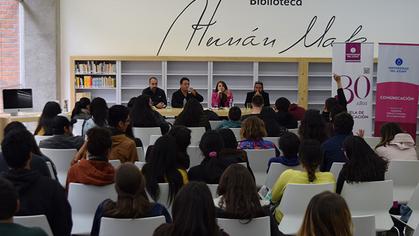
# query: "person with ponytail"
[[132, 199], [214, 164], [311, 157], [81, 109]]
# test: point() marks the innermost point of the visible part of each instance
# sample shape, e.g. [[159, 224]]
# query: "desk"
[[6, 118], [172, 112]]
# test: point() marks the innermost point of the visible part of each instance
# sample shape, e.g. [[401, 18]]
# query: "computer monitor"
[[15, 100]]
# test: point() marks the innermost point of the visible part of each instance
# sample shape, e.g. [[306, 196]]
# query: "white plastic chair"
[[51, 170], [195, 156], [416, 231], [62, 160], [130, 227], [275, 170], [196, 135], [372, 141], [236, 132], [234, 227], [294, 131], [39, 138], [213, 189], [115, 163], [78, 127], [336, 168], [163, 196], [294, 203], [405, 176], [144, 134], [413, 203], [153, 138], [215, 123], [84, 200], [139, 164], [258, 161], [364, 225], [140, 154], [39, 221], [371, 198]]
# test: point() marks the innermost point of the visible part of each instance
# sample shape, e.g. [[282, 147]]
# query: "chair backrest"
[[294, 131], [115, 163], [215, 123], [139, 164], [258, 226], [51, 170], [336, 168], [416, 231], [371, 198], [213, 189], [274, 140], [39, 138], [84, 199], [153, 138], [364, 225], [78, 127], [34, 221], [275, 170], [414, 205], [140, 154], [294, 203], [130, 227], [405, 176], [258, 161], [144, 133], [196, 135], [62, 160], [163, 196], [236, 132], [372, 141], [195, 156]]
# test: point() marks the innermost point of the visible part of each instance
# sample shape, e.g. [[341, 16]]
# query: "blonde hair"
[[253, 128], [327, 215]]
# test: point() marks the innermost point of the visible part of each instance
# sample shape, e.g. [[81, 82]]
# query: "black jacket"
[[157, 97], [264, 94], [286, 120], [41, 195], [37, 164], [177, 98]]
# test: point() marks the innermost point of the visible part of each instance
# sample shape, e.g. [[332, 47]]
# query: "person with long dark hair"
[[161, 168], [395, 144], [193, 213], [99, 111], [363, 164], [213, 165], [132, 201], [193, 115], [143, 115], [81, 109], [50, 111], [272, 126], [311, 157], [182, 136], [239, 199], [221, 96], [289, 143], [312, 126], [327, 214], [283, 116]]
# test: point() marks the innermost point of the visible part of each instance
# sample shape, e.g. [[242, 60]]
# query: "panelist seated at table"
[[157, 95], [221, 96], [258, 90], [184, 93]]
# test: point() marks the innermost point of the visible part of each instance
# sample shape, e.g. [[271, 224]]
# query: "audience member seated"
[[161, 168], [258, 90], [234, 115], [311, 157], [182, 137], [272, 126], [193, 213], [50, 111], [363, 164], [157, 95], [193, 115], [143, 115], [37, 162], [327, 214], [289, 143], [132, 201], [62, 136], [38, 195], [257, 104], [184, 93], [221, 96], [252, 133], [81, 109], [395, 144], [214, 164], [9, 205], [338, 102], [95, 170], [123, 147], [230, 147], [296, 111], [131, 103], [239, 199], [312, 126], [99, 111], [332, 148], [283, 115]]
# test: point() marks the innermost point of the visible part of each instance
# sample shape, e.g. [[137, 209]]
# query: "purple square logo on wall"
[[353, 52]]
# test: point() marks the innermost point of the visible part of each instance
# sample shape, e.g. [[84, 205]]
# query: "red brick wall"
[[9, 44]]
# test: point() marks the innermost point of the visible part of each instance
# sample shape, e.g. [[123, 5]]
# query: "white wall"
[[137, 27]]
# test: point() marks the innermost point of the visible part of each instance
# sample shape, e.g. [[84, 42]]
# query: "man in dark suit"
[[184, 93], [258, 90], [157, 95]]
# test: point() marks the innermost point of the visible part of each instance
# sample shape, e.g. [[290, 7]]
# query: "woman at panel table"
[[221, 96]]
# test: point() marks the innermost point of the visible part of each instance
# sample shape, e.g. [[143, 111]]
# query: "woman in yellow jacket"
[[311, 157]]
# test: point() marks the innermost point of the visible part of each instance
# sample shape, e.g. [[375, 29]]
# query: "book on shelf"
[[89, 81], [83, 94], [95, 67]]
